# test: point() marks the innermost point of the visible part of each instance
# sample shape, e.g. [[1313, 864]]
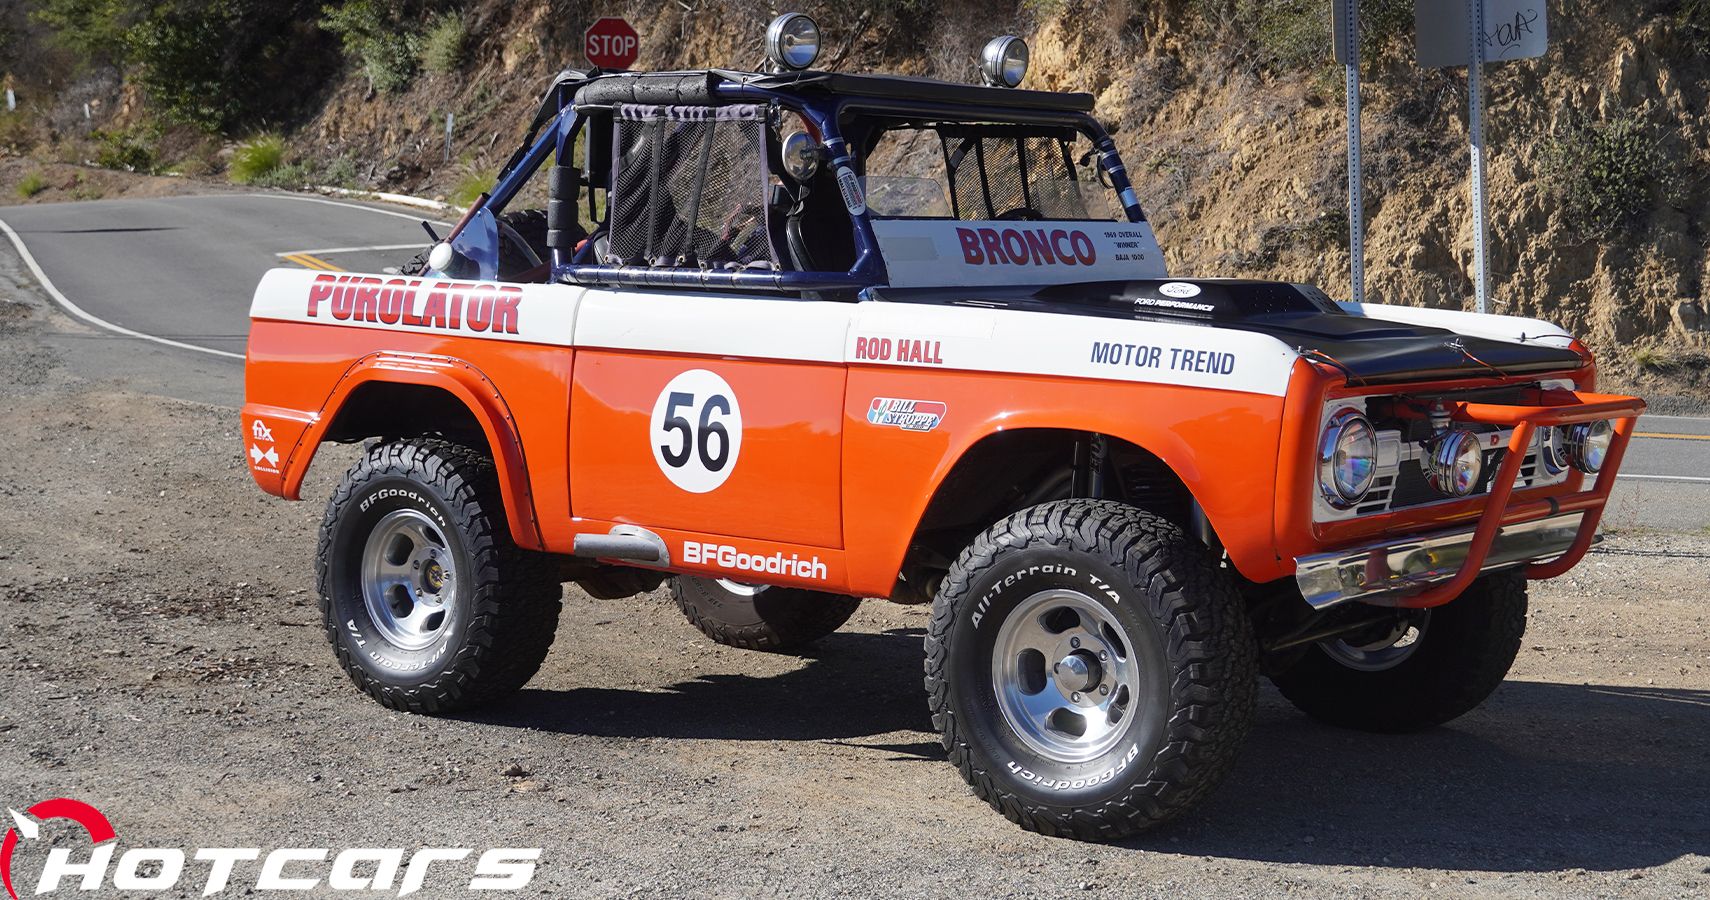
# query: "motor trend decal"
[[416, 302], [150, 870], [909, 415], [1175, 359]]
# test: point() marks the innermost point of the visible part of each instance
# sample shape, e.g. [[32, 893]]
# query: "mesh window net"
[[999, 171], [690, 189]]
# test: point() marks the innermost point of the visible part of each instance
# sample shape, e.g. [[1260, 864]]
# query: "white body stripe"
[[869, 333], [1513, 329], [953, 253]]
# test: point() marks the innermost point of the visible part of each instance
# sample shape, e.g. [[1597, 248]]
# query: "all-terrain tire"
[[1464, 652], [1181, 622], [766, 618], [528, 224], [499, 612]]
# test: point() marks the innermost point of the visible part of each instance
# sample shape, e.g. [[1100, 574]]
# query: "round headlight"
[[1347, 459], [1552, 449], [1588, 445], [1454, 463], [1004, 61], [792, 42], [801, 155]]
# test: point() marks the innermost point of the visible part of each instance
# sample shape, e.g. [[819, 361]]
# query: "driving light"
[[1004, 61], [1588, 445], [792, 42], [1454, 462], [1347, 459], [441, 256], [801, 156]]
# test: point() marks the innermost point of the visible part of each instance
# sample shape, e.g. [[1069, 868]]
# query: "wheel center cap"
[[1079, 671], [434, 577]]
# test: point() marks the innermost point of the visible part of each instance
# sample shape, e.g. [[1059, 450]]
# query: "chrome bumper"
[[1383, 570]]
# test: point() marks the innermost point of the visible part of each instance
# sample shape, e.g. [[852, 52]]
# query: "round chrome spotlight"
[[1454, 462], [1003, 62], [1588, 445], [792, 42]]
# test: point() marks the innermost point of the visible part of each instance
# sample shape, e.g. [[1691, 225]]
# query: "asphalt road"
[[181, 270]]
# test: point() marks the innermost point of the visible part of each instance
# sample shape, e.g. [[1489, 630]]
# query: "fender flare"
[[472, 388]]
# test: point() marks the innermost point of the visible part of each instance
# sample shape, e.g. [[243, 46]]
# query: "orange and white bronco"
[[787, 339]]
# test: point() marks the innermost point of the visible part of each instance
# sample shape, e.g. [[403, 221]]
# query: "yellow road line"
[[313, 262], [1672, 437]]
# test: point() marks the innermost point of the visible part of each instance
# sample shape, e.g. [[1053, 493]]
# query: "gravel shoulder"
[[160, 657]]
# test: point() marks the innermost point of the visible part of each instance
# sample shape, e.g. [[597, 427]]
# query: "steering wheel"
[[1022, 214]]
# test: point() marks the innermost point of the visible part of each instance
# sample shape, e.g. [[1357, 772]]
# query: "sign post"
[[610, 43], [1345, 19], [1495, 31], [449, 119]]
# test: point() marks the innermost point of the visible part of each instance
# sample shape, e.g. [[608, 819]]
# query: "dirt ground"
[[160, 657]]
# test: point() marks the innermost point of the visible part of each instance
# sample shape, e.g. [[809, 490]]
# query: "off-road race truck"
[[832, 336]]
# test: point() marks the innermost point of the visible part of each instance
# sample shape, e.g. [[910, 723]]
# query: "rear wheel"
[[757, 616], [1426, 669], [1090, 668]]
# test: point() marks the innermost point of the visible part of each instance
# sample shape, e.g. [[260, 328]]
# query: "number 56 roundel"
[[696, 431]]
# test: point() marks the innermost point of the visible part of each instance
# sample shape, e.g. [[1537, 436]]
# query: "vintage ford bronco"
[[830, 336]]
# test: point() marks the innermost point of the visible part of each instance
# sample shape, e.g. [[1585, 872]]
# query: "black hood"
[[1301, 316]]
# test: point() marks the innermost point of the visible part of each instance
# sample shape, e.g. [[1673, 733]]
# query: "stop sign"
[[611, 44]]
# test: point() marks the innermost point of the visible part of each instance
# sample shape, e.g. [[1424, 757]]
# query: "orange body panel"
[[783, 484]]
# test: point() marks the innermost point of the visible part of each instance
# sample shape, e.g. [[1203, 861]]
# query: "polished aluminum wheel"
[[1067, 677], [409, 579], [1383, 651]]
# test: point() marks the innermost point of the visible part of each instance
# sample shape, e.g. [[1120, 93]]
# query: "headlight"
[[801, 155], [1588, 445], [792, 42], [1552, 449], [1347, 459], [1454, 462], [1004, 61]]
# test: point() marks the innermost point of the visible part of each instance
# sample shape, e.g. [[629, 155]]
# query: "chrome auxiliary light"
[[792, 42], [1453, 462], [1003, 62], [1588, 445]]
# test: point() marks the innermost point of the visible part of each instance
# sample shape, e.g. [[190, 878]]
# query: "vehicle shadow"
[[1543, 777]]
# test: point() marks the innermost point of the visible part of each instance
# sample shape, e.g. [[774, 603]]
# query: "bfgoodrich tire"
[[1439, 667], [428, 604], [758, 617], [1090, 669]]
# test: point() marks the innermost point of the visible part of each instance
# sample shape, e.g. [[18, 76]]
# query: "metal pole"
[[1475, 124], [448, 122], [1356, 199]]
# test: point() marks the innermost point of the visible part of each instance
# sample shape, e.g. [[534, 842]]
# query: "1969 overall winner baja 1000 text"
[[790, 338]]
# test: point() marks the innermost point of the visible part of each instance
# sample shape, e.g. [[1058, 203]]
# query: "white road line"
[[300, 198], [1692, 478], [327, 250], [78, 311]]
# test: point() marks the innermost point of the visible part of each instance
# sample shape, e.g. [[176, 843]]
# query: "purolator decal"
[[416, 302], [909, 415]]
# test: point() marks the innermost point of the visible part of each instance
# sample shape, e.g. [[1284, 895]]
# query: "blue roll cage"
[[479, 239]]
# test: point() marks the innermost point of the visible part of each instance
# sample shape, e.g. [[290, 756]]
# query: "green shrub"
[[340, 172], [126, 149], [376, 33], [446, 45], [470, 186], [1607, 174], [32, 184], [93, 30], [289, 176], [1296, 34], [256, 158]]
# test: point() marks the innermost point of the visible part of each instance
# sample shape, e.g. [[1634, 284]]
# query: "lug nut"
[[1103, 655], [1075, 642], [1103, 689], [1076, 696]]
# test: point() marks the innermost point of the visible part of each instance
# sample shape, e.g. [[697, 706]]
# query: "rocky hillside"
[[1228, 112]]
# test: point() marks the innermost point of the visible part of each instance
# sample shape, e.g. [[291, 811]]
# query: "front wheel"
[[427, 602], [1090, 669], [1426, 669]]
